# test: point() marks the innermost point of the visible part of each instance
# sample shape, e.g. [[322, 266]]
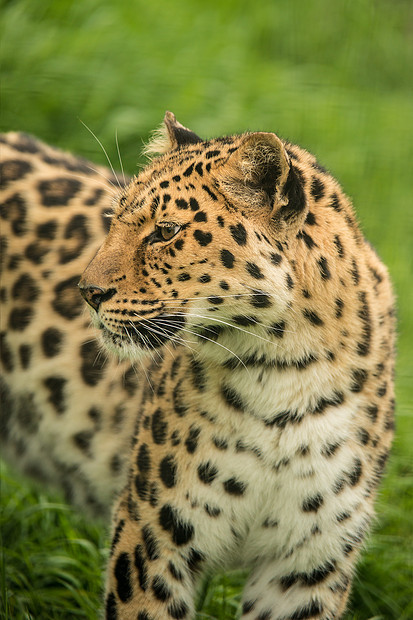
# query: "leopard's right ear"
[[169, 136], [260, 176]]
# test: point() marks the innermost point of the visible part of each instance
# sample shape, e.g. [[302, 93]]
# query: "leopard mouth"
[[146, 334]]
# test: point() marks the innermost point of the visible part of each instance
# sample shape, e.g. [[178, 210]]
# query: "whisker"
[[150, 348], [237, 295], [172, 337], [158, 339], [222, 322], [147, 347], [120, 158], [145, 373], [254, 293], [141, 363], [214, 342], [115, 190], [104, 150], [143, 339], [153, 330], [90, 340], [101, 352], [210, 318], [168, 322]]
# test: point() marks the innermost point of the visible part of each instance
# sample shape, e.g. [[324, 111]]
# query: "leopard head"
[[195, 248]]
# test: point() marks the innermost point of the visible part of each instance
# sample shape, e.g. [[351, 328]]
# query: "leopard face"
[[196, 253]]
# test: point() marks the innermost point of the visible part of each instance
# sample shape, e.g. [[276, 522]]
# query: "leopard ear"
[[178, 134], [170, 135], [260, 174]]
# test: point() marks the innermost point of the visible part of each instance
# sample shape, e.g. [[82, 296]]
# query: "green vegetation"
[[334, 77]]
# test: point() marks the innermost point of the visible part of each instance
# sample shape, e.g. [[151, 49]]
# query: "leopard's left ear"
[[170, 135], [260, 175]]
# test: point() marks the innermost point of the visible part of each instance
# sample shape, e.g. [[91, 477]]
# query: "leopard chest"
[[230, 443]]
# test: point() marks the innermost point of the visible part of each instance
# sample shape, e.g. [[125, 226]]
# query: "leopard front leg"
[[161, 541], [153, 566], [313, 539], [277, 591]]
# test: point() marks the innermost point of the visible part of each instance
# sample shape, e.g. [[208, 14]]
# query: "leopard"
[[231, 399]]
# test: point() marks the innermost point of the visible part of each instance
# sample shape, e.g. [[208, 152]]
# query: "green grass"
[[52, 559], [332, 76]]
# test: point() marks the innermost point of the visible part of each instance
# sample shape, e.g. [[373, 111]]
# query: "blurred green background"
[[333, 76]]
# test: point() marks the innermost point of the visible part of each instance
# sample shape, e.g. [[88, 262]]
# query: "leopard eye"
[[167, 231]]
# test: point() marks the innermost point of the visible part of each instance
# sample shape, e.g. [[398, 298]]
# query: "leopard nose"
[[95, 295]]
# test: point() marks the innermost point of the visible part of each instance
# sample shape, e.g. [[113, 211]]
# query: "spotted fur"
[[260, 325], [53, 217]]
